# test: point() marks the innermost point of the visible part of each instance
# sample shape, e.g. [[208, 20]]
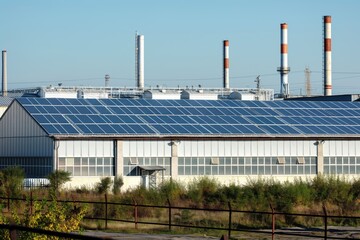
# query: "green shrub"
[[11, 180], [103, 186], [117, 184], [58, 178]]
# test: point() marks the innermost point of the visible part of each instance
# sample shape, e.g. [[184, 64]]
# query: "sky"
[[77, 42]]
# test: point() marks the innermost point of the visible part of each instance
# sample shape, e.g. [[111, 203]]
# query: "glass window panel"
[[99, 171], [99, 161], [194, 170], [84, 171], [107, 161], [187, 170], [181, 170], [215, 170], [201, 170], [221, 170], [247, 170], [77, 171], [61, 161], [77, 161], [107, 171], [208, 170], [92, 161], [69, 161], [70, 169]]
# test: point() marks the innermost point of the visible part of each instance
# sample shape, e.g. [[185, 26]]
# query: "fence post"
[[106, 211], [169, 214], [325, 222], [31, 202], [230, 220], [8, 200], [272, 222], [13, 233], [135, 214]]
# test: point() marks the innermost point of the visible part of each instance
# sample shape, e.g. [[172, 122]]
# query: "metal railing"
[[230, 226]]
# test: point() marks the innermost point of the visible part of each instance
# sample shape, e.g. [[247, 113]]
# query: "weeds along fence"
[[227, 220]]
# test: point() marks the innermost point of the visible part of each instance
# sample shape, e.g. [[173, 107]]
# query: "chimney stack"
[[226, 65], [4, 74], [139, 48], [327, 56], [284, 69]]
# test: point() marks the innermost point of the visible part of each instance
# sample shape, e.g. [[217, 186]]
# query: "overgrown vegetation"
[[340, 196]]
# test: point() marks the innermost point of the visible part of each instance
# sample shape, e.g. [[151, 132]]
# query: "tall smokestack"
[[4, 73], [327, 56], [284, 69], [226, 65], [140, 61]]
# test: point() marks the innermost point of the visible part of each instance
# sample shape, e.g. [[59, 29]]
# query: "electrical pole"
[[307, 82]]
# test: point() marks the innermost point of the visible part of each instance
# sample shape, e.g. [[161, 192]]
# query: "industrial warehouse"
[[148, 135], [148, 141]]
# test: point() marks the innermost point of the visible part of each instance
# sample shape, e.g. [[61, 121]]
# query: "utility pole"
[[257, 80], [307, 82]]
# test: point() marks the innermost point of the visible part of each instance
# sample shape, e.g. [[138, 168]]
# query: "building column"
[[119, 159], [320, 157], [174, 159]]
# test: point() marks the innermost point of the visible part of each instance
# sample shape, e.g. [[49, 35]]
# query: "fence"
[[229, 227]]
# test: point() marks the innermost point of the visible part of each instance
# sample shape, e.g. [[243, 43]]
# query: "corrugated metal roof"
[[187, 118]]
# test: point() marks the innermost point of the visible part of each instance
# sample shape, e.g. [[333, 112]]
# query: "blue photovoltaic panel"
[[192, 117]]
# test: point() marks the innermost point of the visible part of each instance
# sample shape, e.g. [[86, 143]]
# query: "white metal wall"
[[138, 148], [341, 148], [86, 148], [260, 148], [20, 135]]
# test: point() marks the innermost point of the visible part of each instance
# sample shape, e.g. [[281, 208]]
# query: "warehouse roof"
[[140, 117]]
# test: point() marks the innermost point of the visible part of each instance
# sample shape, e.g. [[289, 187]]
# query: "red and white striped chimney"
[[284, 68], [327, 56], [226, 65]]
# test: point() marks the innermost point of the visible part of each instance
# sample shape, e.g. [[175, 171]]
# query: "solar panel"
[[192, 117]]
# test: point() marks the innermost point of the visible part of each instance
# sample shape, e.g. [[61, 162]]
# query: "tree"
[[58, 178]]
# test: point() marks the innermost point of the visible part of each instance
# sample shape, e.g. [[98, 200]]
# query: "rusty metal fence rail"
[[229, 228]]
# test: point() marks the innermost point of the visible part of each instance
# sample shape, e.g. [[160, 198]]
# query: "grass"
[[339, 196]]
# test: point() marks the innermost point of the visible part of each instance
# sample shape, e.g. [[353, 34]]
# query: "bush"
[[117, 184], [11, 180], [203, 191], [58, 178], [103, 186]]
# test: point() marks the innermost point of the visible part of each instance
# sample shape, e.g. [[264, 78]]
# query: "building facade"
[[149, 141]]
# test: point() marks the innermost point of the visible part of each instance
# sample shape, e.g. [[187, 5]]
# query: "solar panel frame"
[[193, 117]]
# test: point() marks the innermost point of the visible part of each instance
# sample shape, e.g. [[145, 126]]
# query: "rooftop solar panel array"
[[192, 117]]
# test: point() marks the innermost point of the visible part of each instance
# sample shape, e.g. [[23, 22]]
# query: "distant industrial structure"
[[284, 69], [150, 134], [4, 73], [327, 57]]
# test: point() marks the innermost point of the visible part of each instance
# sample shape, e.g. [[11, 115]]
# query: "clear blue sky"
[[77, 42]]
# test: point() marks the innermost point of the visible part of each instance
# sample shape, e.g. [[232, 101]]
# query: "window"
[[281, 160]]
